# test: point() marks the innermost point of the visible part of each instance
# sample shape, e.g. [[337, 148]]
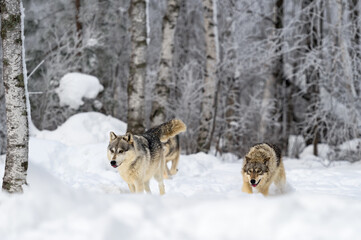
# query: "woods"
[[78, 74], [236, 72]]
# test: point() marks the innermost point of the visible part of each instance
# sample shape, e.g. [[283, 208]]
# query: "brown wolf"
[[263, 166], [138, 158]]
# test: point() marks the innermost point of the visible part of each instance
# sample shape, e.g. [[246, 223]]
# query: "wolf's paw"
[[173, 171], [167, 176]]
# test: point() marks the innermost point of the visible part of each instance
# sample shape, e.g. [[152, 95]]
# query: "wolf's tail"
[[168, 129]]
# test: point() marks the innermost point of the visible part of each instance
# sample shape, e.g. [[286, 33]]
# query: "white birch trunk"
[[209, 86], [137, 71], [158, 114], [346, 61], [266, 106], [2, 119], [268, 99], [15, 97]]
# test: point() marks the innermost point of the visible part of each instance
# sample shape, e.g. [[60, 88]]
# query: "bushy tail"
[[168, 129]]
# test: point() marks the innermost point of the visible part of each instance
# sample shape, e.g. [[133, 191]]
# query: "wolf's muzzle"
[[113, 163], [254, 183]]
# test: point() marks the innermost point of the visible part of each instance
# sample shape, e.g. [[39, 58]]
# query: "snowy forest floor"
[[74, 193]]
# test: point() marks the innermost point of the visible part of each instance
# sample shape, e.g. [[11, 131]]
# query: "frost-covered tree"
[[206, 128], [137, 67], [2, 112], [15, 96], [165, 72], [2, 119]]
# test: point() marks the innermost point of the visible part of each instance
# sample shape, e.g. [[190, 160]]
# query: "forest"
[[236, 72], [83, 79]]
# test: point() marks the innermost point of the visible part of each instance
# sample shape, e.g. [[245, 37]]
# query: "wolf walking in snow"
[[263, 166], [138, 158]]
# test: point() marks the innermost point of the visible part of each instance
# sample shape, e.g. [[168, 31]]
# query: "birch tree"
[[209, 85], [2, 114], [355, 37], [345, 57], [79, 25], [16, 110], [2, 119], [165, 78], [313, 27], [276, 70], [138, 67], [79, 28]]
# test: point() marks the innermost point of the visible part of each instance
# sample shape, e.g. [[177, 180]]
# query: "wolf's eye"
[[112, 150], [120, 151], [248, 171]]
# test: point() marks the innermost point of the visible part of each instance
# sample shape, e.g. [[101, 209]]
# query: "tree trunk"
[[16, 111], [346, 61], [267, 100], [2, 114], [2, 119], [209, 85], [158, 114], [274, 93], [79, 29], [313, 28], [79, 26], [355, 40], [138, 67]]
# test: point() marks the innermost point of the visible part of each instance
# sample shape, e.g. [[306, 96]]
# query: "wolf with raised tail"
[[138, 158], [263, 166]]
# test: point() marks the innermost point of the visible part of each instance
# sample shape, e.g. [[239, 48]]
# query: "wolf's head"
[[120, 148], [255, 170]]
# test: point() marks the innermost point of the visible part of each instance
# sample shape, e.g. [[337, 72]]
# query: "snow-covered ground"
[[74, 193]]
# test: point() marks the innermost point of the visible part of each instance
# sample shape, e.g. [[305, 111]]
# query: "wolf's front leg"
[[131, 187], [264, 189], [159, 179], [147, 188], [166, 174], [280, 180], [139, 187], [246, 187]]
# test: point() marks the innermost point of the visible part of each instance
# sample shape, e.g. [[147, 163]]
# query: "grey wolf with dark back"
[[263, 166], [138, 158]]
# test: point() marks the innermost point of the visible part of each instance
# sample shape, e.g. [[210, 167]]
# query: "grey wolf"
[[171, 154], [138, 158], [263, 166]]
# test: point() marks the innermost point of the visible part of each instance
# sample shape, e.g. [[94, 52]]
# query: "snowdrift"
[[74, 193]]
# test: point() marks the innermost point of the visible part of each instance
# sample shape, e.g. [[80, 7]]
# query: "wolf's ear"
[[113, 136], [129, 137], [247, 159], [266, 160]]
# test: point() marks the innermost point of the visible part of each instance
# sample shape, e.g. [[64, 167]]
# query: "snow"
[[76, 86], [296, 144], [352, 145], [94, 127], [323, 151], [74, 193]]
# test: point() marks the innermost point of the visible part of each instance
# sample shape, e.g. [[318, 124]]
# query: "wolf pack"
[[139, 158]]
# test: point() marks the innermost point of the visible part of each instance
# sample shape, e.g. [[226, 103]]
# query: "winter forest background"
[[281, 69]]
